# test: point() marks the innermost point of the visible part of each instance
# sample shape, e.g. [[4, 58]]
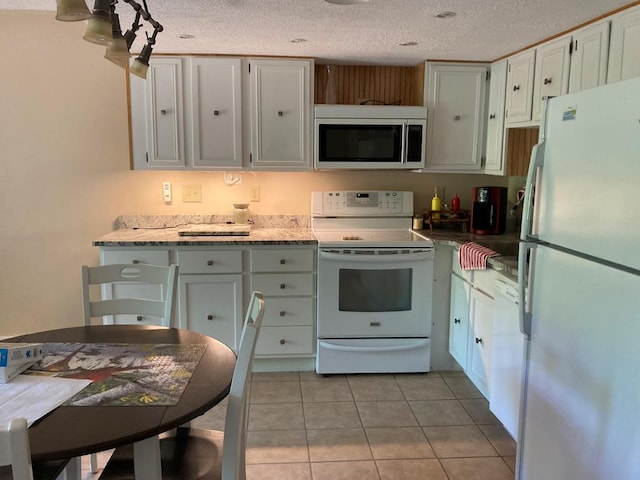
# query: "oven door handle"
[[402, 257], [392, 348]]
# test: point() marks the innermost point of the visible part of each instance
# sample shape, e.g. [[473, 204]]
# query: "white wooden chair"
[[138, 274], [15, 455], [107, 275], [195, 453]]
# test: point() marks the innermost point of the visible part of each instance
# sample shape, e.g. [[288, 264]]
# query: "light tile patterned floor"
[[435, 426]]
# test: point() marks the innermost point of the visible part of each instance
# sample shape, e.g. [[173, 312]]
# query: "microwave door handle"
[[405, 143]]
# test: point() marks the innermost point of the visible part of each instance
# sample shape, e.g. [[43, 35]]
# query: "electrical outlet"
[[192, 193], [166, 192], [254, 193]]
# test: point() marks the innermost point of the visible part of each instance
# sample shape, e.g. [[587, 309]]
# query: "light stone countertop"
[[162, 230]]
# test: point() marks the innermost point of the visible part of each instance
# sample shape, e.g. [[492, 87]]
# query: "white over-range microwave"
[[369, 137]]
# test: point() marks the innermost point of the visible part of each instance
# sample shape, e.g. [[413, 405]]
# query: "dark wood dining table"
[[73, 431]]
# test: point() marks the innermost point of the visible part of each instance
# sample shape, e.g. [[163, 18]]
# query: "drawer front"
[[285, 341], [457, 269], [150, 257], [210, 261], [283, 284], [290, 260], [288, 311]]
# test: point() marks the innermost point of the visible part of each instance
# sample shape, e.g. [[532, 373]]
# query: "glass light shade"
[[139, 68], [99, 31], [118, 53], [72, 10]]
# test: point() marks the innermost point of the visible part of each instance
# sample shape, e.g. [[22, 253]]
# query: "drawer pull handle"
[[282, 286], [456, 320], [282, 313], [516, 88], [374, 324], [492, 116], [139, 318], [478, 340], [135, 262], [282, 341], [547, 81], [209, 262], [163, 112], [210, 316], [282, 261]]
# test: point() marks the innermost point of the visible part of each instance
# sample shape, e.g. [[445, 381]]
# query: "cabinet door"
[[157, 116], [624, 47], [216, 130], [589, 57], [519, 87], [212, 305], [280, 114], [551, 72], [481, 313], [456, 101], [459, 320], [495, 164]]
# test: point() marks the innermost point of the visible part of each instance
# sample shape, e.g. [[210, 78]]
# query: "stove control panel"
[[362, 203]]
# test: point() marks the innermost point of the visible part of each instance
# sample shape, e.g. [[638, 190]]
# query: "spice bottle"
[[435, 204]]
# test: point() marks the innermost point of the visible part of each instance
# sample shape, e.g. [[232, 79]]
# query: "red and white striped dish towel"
[[474, 257]]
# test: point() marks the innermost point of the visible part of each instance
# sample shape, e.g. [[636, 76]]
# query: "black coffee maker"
[[488, 210]]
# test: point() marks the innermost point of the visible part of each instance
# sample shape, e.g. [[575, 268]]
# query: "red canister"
[[455, 203]]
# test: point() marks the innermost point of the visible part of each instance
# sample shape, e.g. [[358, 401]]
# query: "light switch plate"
[[192, 193]]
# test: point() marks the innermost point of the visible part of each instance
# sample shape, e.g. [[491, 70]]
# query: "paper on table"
[[33, 396]]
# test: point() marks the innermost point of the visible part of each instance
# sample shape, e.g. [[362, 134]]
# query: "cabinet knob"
[[280, 113], [457, 118], [456, 320], [210, 316], [374, 324], [216, 112], [547, 81], [478, 340], [209, 262], [282, 286], [282, 341], [163, 112], [282, 313], [282, 261], [516, 88], [135, 262], [492, 116], [139, 318]]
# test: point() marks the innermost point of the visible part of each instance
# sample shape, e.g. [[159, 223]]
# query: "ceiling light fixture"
[[104, 29], [445, 15]]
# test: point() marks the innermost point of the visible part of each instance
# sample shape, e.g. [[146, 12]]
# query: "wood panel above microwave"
[[389, 85], [520, 141]]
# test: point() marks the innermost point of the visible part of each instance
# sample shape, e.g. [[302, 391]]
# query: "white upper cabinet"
[[281, 100], [494, 163], [590, 51], [455, 96], [216, 113], [624, 47], [519, 87], [157, 116], [551, 73]]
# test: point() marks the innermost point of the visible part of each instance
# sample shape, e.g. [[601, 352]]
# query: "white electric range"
[[374, 288]]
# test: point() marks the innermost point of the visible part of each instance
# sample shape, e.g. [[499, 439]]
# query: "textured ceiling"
[[366, 33]]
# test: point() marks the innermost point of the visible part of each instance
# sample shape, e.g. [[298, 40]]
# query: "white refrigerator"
[[580, 259]]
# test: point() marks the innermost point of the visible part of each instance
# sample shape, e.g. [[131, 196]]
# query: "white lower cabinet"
[[286, 279], [470, 324]]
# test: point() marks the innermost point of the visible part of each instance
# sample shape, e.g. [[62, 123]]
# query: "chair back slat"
[[14, 449], [235, 430], [130, 274]]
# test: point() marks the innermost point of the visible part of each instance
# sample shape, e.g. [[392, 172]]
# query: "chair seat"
[[189, 454], [41, 470]]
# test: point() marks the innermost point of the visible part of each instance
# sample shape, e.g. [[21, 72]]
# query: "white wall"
[[65, 176]]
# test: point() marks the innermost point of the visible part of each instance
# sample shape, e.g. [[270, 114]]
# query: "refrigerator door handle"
[[525, 287], [535, 164]]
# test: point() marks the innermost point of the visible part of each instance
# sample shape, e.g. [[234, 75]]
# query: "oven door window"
[[387, 290], [360, 143]]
